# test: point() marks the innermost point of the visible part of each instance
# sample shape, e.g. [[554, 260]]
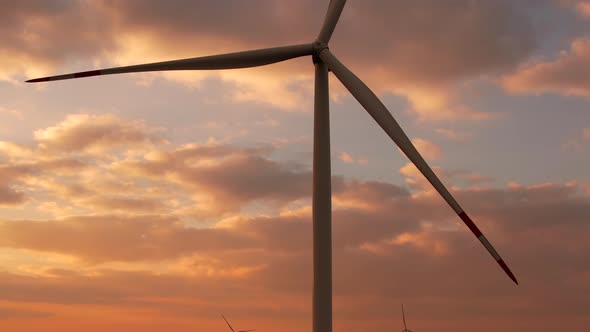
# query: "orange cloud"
[[154, 262], [420, 65], [10, 178], [93, 133], [427, 149], [583, 7], [349, 159], [565, 75]]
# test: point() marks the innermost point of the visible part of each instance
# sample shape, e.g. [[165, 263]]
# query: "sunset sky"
[[156, 201]]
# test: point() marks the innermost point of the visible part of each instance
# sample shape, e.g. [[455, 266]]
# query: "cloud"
[[13, 150], [583, 7], [94, 133], [452, 135], [566, 75], [430, 48], [427, 149], [422, 64], [133, 237], [117, 238], [37, 36], [69, 163], [10, 178], [9, 196], [347, 158], [224, 178], [402, 239], [414, 30]]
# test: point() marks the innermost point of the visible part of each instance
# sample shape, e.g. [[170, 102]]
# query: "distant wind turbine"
[[404, 318], [231, 328], [323, 60]]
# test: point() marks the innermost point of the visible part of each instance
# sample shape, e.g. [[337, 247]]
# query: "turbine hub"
[[318, 47]]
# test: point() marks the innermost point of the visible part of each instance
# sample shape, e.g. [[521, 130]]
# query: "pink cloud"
[[427, 149], [144, 31], [397, 238], [349, 159], [86, 132], [565, 75]]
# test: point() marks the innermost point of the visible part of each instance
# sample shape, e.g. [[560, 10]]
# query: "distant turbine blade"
[[222, 61], [231, 328], [379, 112], [246, 330], [332, 16], [404, 317]]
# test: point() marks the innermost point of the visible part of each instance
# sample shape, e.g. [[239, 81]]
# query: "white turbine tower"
[[404, 318], [323, 60]]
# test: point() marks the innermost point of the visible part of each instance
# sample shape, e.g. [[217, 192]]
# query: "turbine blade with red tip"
[[379, 112], [245, 59]]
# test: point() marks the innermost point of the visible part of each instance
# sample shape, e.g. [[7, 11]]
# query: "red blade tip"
[[507, 270]]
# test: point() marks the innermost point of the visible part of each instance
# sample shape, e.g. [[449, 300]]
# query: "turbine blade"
[[231, 328], [246, 330], [332, 16], [245, 59], [379, 112]]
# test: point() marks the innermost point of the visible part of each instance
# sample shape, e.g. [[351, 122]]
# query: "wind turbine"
[[404, 317], [323, 60], [231, 328]]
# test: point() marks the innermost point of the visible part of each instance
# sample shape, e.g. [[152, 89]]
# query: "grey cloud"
[[421, 41]]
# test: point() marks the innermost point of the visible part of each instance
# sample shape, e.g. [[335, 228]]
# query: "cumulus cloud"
[[400, 238], [566, 75], [93, 133], [13, 150], [10, 178], [421, 50], [105, 163], [37, 35], [108, 253], [224, 178]]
